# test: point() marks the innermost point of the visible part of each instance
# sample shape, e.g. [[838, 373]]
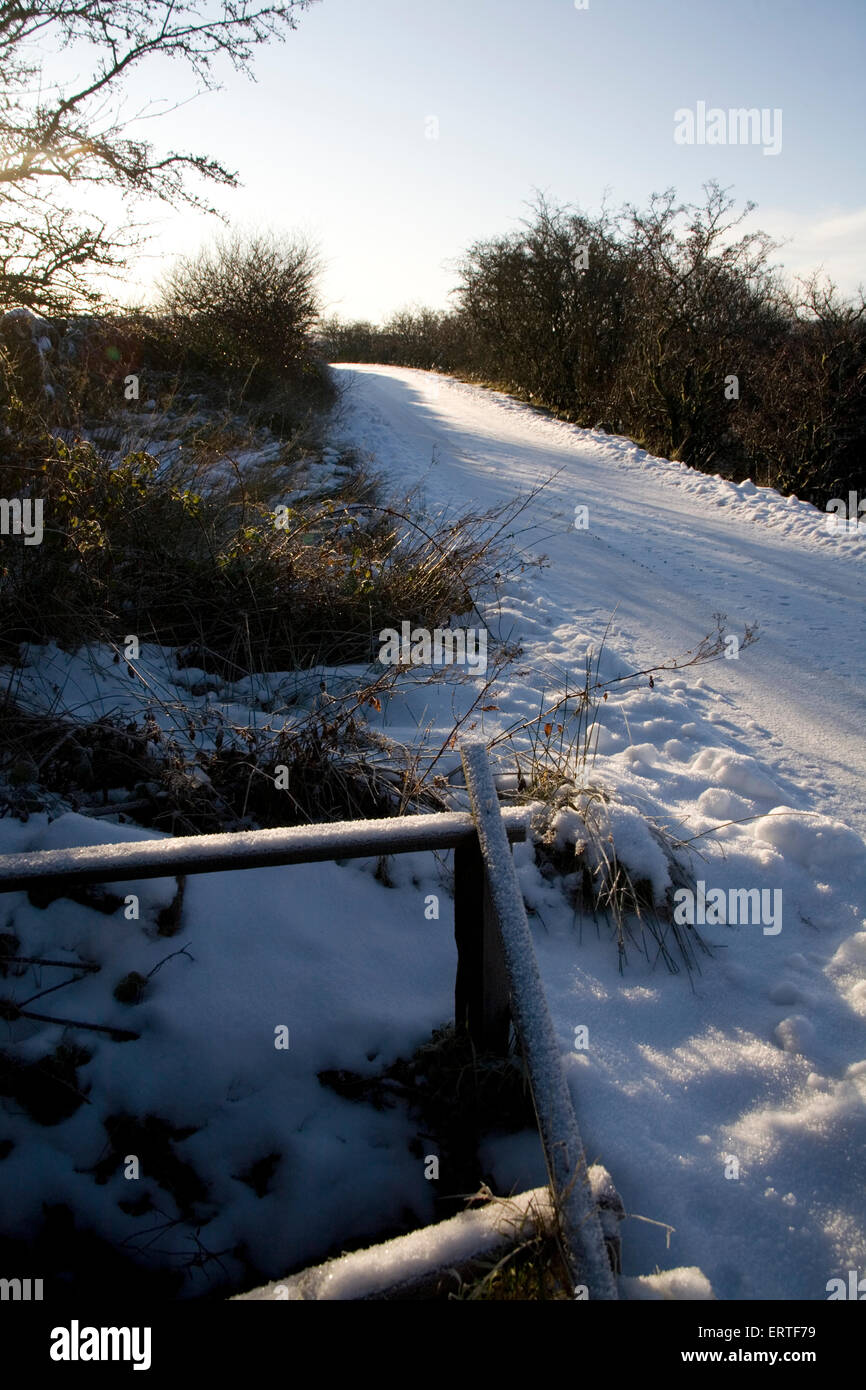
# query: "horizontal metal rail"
[[246, 849]]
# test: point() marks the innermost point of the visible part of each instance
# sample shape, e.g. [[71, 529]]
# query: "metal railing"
[[497, 974]]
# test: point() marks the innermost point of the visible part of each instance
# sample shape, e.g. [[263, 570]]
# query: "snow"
[[761, 1056], [482, 1233], [72, 831], [477, 1233], [680, 1073], [628, 831], [681, 1284], [266, 948], [822, 846]]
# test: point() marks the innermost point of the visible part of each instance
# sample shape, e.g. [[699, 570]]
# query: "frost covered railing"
[[512, 963], [481, 993], [497, 974]]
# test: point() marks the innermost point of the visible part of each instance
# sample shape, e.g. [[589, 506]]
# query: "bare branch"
[[65, 138]]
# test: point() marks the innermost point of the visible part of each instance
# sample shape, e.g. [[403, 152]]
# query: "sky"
[[395, 133]]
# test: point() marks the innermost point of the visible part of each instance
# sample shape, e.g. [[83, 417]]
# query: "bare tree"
[[54, 139], [706, 303], [548, 306], [252, 298], [805, 424]]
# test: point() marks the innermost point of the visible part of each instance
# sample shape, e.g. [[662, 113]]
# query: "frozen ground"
[[756, 1066]]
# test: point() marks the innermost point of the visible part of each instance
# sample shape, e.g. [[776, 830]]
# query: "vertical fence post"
[[481, 994]]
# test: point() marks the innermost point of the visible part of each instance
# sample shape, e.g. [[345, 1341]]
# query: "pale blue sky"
[[332, 139]]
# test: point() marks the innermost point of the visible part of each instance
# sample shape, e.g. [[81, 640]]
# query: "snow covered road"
[[732, 1107], [665, 547]]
